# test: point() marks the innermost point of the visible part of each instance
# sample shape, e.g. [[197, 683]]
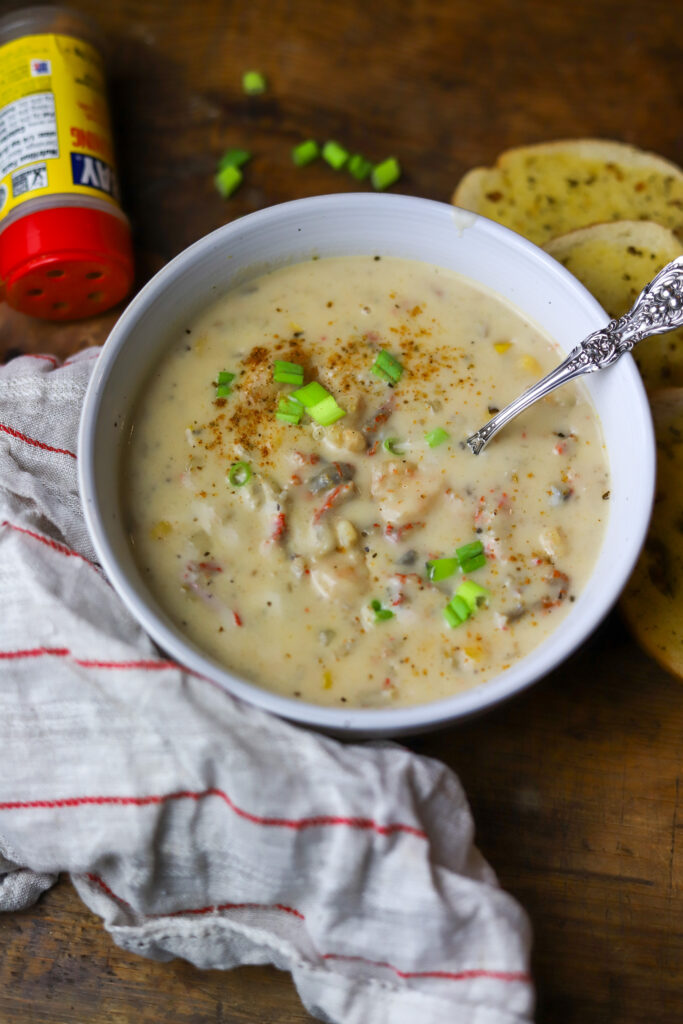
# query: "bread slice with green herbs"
[[548, 189], [652, 602], [615, 261]]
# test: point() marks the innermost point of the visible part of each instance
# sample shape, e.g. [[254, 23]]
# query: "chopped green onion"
[[283, 377], [288, 373], [228, 180], [240, 474], [451, 617], [321, 405], [281, 364], [441, 568], [385, 174], [311, 394], [478, 562], [305, 153], [225, 379], [390, 446], [289, 410], [234, 158], [253, 83], [472, 594], [456, 611], [388, 367], [289, 404], [359, 167], [437, 436], [335, 155], [468, 551], [326, 412], [381, 614]]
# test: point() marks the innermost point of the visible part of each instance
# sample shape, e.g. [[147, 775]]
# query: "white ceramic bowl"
[[336, 225]]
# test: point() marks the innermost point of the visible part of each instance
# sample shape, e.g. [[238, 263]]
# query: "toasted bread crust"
[[551, 188], [615, 261], [652, 602]]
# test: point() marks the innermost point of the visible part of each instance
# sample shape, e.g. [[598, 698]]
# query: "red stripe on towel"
[[145, 664], [236, 906], [32, 441], [445, 975], [50, 543], [81, 359], [35, 355], [36, 652], [296, 824], [200, 910], [464, 975]]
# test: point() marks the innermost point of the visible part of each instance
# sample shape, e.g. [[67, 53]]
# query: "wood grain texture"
[[575, 784]]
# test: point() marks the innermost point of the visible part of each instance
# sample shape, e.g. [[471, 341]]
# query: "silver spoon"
[[658, 309]]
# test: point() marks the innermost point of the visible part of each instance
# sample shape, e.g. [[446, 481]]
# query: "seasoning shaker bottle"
[[65, 243]]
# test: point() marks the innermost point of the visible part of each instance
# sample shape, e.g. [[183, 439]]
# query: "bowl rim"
[[351, 721]]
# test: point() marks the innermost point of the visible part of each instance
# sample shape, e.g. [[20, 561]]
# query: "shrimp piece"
[[402, 493], [340, 494], [341, 577], [345, 439]]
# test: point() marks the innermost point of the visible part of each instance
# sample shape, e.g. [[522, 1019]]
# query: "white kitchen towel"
[[197, 826]]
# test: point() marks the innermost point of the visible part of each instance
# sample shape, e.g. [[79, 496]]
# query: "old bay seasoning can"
[[65, 244]]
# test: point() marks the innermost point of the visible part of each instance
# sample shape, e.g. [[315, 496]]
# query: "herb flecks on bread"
[[615, 262], [652, 602], [548, 189]]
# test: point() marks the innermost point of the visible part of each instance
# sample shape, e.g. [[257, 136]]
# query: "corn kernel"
[[502, 346], [160, 530], [327, 680], [530, 364]]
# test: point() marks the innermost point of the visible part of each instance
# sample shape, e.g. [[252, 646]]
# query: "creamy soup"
[[302, 504]]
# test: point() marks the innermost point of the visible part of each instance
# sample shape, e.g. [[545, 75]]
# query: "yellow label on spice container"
[[55, 134]]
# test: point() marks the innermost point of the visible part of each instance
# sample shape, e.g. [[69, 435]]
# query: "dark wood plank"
[[575, 784]]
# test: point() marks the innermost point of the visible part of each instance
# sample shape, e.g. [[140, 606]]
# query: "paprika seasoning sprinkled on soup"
[[300, 500]]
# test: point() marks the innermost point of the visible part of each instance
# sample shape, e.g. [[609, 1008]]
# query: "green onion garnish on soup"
[[288, 373], [437, 436], [289, 410], [381, 614], [471, 556], [441, 568], [472, 594], [240, 474], [326, 412], [465, 601], [224, 383], [388, 367], [310, 394]]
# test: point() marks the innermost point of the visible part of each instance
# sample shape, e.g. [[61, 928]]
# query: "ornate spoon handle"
[[658, 308]]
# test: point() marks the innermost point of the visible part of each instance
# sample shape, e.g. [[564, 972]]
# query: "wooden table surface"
[[574, 786]]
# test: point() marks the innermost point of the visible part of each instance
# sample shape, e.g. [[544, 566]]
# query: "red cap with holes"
[[66, 263]]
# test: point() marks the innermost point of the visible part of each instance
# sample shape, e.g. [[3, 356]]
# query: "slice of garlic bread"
[[615, 261], [548, 189], [652, 602]]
